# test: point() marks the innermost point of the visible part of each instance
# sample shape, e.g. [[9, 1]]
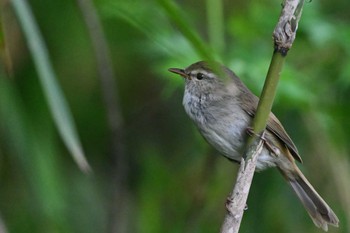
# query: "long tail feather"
[[320, 213]]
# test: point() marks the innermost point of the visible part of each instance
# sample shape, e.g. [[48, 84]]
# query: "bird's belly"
[[226, 130], [231, 141]]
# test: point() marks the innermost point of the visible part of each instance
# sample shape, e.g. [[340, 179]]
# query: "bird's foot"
[[269, 146], [251, 132]]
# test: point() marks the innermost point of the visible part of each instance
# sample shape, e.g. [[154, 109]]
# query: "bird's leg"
[[250, 132]]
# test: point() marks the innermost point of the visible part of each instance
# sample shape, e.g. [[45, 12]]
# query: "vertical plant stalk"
[[215, 20], [284, 35], [56, 101], [118, 217]]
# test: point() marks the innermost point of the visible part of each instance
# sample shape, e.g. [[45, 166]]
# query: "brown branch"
[[285, 30], [236, 202], [284, 35]]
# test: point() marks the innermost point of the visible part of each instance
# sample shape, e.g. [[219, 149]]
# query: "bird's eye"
[[200, 76]]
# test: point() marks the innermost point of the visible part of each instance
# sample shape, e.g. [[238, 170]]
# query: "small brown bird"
[[223, 111]]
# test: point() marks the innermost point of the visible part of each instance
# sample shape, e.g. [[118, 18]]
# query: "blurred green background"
[[152, 171]]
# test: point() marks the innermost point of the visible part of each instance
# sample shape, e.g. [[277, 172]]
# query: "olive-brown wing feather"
[[275, 127]]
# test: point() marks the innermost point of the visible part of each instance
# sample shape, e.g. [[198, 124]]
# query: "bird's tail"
[[320, 213]]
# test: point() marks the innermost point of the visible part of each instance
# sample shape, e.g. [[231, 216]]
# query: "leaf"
[[54, 96]]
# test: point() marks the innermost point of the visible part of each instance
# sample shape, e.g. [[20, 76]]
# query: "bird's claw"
[[251, 132]]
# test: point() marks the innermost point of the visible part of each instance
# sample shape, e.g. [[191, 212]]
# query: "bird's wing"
[[275, 127]]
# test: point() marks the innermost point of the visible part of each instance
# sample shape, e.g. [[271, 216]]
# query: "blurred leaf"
[[59, 108], [36, 155]]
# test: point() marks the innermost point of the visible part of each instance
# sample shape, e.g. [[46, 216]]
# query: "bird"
[[222, 108]]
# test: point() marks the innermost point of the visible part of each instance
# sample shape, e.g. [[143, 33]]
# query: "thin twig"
[[238, 198], [285, 30], [284, 35]]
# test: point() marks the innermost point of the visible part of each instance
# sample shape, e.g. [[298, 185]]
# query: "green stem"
[[266, 99], [215, 20], [268, 92]]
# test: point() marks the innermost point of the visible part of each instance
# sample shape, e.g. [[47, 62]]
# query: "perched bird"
[[223, 111]]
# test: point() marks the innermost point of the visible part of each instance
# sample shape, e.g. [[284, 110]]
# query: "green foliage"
[[54, 96], [175, 182]]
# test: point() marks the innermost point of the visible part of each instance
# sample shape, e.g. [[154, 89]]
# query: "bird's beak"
[[180, 72]]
